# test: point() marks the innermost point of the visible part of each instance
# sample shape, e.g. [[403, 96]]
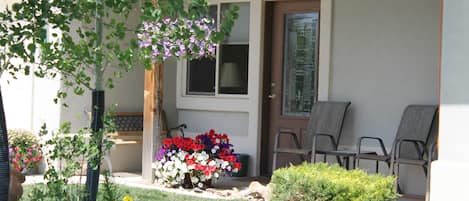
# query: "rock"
[[257, 191], [16, 190]]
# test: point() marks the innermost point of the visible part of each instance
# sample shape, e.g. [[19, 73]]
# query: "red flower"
[[199, 167], [237, 166], [190, 161], [167, 143]]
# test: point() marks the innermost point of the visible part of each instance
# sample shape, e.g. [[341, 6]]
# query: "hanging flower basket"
[[195, 162], [161, 40]]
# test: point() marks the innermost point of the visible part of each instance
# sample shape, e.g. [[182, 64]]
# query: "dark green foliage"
[[321, 182]]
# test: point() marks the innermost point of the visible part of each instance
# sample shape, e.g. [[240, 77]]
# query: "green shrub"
[[321, 182]]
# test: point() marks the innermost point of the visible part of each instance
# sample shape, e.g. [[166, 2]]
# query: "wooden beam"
[[153, 94]]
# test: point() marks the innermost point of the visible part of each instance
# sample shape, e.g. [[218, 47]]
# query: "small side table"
[[346, 155]]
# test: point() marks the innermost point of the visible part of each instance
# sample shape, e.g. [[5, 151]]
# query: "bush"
[[321, 182]]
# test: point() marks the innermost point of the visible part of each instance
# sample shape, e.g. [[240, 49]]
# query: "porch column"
[[151, 126], [450, 174]]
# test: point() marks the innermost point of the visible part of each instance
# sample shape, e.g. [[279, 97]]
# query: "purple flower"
[[167, 20], [201, 52], [144, 44], [160, 154], [211, 49], [156, 52], [192, 39]]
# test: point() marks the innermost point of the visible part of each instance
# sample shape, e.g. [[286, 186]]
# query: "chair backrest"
[[327, 117], [416, 124]]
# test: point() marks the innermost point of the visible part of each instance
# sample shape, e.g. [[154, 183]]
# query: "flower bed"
[[195, 161]]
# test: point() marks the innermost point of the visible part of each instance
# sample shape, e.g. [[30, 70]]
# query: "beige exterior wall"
[[384, 57]]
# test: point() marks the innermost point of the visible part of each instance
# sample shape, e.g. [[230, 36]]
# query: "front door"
[[293, 79]]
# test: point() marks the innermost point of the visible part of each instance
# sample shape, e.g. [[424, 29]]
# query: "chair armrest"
[[287, 132], [431, 150], [379, 140], [334, 143], [180, 128], [417, 143]]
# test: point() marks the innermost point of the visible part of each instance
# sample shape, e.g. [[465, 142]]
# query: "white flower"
[[224, 164], [194, 180], [214, 150], [200, 185], [216, 175], [55, 10], [182, 155], [212, 163], [184, 168]]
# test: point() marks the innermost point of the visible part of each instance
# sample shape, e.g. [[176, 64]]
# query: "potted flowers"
[[195, 162], [24, 151]]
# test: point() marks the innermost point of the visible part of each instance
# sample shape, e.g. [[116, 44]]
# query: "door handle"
[[272, 95]]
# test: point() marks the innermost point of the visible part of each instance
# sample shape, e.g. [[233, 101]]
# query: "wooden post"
[[152, 110], [153, 105]]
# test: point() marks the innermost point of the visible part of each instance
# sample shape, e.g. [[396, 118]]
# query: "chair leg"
[[339, 161], [377, 167], [274, 162], [396, 174], [357, 163], [427, 185]]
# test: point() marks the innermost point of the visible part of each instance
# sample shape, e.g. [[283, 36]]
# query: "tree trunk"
[[92, 176], [98, 106], [4, 158]]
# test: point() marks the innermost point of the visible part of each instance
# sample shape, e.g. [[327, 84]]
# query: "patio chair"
[[416, 153], [322, 134], [410, 142]]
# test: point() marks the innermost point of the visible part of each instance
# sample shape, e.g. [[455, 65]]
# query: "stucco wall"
[[384, 57]]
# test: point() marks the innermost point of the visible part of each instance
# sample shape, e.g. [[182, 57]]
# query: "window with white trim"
[[228, 72]]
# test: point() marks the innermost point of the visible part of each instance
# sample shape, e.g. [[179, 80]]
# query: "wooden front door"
[[292, 89]]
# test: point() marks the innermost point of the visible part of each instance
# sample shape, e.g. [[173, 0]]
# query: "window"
[[228, 73]]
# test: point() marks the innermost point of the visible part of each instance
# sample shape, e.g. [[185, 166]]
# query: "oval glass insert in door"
[[300, 64]]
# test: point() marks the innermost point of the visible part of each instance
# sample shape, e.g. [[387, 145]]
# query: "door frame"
[[325, 33]]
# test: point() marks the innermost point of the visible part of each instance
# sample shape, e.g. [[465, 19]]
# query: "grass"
[[139, 194]]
